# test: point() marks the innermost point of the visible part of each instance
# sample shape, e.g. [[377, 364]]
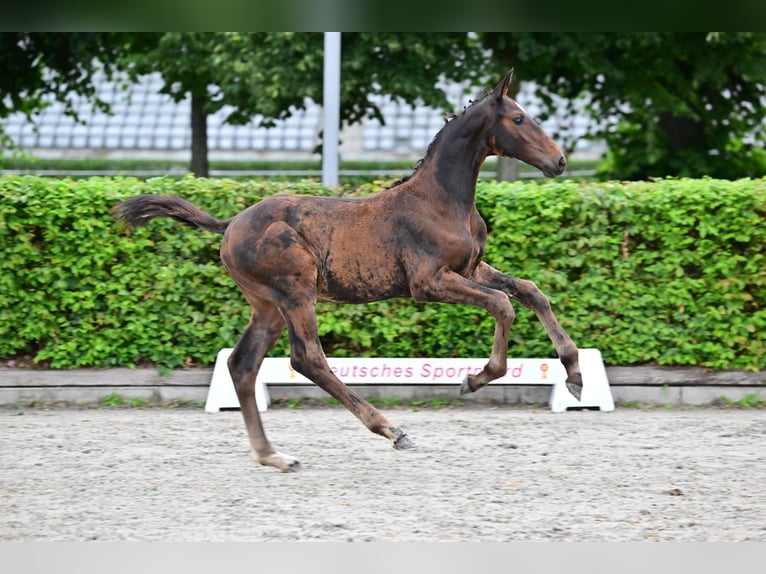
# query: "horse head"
[[513, 133]]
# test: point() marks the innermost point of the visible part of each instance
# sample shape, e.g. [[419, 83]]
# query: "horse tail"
[[141, 209]]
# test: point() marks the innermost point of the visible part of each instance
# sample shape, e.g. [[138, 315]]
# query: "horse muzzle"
[[554, 169]]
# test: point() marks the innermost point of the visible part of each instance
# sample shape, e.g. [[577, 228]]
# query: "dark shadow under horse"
[[421, 238]]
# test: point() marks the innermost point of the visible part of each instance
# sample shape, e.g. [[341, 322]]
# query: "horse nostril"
[[562, 162]]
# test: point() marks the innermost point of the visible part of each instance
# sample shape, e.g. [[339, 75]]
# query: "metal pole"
[[331, 109]]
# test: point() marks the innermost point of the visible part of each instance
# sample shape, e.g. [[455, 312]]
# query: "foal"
[[421, 238]]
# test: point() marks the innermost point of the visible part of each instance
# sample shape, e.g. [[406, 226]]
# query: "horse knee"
[[509, 313], [533, 297], [503, 311]]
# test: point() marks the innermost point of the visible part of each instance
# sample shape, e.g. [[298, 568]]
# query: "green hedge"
[[671, 272]]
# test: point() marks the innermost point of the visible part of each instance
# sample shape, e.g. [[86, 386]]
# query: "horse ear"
[[502, 88]]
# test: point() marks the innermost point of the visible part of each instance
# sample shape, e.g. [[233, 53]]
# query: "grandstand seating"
[[146, 120]]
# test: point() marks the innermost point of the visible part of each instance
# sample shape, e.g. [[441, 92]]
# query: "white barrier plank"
[[596, 393], [424, 371]]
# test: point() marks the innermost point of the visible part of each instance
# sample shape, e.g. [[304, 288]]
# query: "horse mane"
[[429, 150]]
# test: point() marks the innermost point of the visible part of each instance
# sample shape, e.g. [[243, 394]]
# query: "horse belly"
[[360, 283]]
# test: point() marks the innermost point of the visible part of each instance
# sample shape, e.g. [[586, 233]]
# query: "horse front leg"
[[498, 359], [449, 287], [529, 295]]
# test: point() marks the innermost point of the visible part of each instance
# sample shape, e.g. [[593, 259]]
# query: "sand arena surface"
[[478, 474]]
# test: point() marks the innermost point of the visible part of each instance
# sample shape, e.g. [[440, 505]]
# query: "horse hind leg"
[[263, 330], [308, 358]]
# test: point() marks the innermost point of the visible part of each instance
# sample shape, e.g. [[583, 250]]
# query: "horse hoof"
[[294, 466], [403, 443], [401, 440], [465, 387], [575, 389], [282, 462]]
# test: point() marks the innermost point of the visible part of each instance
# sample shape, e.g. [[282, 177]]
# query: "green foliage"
[[116, 400], [668, 272], [749, 401], [685, 104], [37, 67], [75, 291], [112, 400], [666, 103], [435, 403]]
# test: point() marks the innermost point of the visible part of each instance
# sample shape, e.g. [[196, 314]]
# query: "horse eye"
[[518, 120]]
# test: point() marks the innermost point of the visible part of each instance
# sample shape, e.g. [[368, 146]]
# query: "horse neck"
[[455, 161]]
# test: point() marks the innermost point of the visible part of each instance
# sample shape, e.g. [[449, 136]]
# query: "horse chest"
[[459, 253], [460, 246]]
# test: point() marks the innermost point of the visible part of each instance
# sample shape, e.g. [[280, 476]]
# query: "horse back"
[[350, 243]]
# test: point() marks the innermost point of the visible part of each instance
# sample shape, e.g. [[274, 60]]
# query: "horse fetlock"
[[569, 355], [282, 462], [473, 383]]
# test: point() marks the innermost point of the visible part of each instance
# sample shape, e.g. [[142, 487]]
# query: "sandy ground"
[[478, 474]]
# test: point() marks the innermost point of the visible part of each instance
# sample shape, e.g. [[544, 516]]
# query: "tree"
[[213, 69], [406, 66], [684, 104], [272, 74], [34, 66]]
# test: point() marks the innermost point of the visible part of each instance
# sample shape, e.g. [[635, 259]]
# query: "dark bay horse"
[[421, 238]]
